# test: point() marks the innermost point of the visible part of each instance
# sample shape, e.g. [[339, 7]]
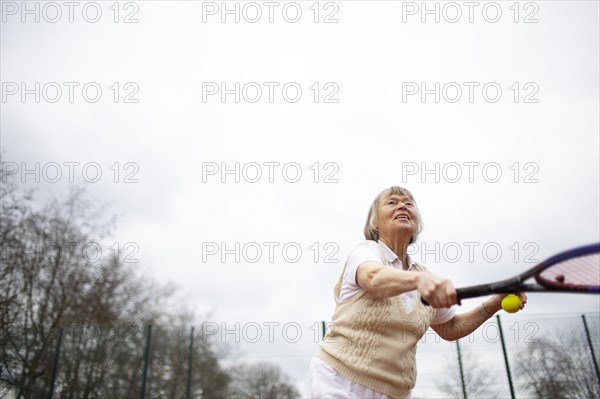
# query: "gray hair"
[[370, 232]]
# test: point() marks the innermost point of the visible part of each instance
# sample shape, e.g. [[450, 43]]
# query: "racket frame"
[[516, 284]]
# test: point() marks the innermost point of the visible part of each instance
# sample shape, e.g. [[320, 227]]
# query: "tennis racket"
[[576, 270]]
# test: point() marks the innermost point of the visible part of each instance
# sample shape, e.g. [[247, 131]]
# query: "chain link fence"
[[518, 356]]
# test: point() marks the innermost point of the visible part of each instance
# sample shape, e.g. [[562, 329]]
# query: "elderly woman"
[[369, 351]]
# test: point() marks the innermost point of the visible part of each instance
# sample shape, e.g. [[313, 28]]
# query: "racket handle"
[[471, 292], [424, 302], [483, 290]]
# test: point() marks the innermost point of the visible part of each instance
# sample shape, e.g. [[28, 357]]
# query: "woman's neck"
[[399, 246]]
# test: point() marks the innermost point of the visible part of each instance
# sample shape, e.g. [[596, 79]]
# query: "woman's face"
[[396, 217]]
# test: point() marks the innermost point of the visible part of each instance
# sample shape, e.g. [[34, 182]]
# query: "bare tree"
[[168, 375], [261, 380], [50, 283], [479, 380], [558, 369]]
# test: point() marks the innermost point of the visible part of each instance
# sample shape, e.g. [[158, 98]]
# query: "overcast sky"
[[269, 137]]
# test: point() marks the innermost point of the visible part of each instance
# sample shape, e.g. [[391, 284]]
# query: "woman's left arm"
[[464, 324]]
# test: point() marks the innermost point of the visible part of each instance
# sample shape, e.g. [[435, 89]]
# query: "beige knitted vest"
[[373, 342]]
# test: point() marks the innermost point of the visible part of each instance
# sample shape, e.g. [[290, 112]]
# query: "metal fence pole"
[[589, 340], [460, 367], [146, 358], [189, 379], [510, 381], [55, 366]]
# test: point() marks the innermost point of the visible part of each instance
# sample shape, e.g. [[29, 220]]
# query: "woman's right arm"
[[387, 281]]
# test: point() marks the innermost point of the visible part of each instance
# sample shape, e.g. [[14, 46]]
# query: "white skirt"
[[323, 381]]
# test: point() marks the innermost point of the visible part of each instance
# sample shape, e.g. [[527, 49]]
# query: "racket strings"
[[583, 271]]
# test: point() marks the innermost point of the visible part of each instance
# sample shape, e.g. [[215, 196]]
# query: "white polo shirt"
[[322, 380], [368, 252]]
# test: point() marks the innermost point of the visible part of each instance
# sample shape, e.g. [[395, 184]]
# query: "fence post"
[[189, 379], [589, 340], [460, 367], [146, 357], [510, 382], [55, 366]]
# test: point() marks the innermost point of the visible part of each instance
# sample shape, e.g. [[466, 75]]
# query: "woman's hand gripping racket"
[[576, 270]]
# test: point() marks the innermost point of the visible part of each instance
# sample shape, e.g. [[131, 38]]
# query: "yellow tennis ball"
[[511, 303]]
